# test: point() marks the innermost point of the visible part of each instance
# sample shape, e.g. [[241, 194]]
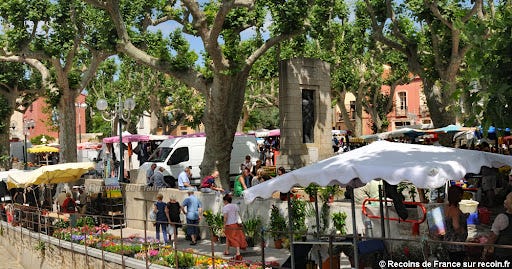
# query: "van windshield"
[[160, 154]]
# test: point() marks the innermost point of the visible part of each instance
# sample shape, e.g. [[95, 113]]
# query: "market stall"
[[424, 166]]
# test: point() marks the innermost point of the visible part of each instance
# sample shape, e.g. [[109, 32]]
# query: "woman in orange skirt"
[[235, 236]]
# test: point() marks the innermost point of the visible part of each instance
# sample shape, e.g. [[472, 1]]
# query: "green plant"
[[298, 216], [215, 221], [411, 189], [251, 226], [311, 189], [329, 191], [60, 224], [278, 225], [339, 221], [85, 221], [40, 246]]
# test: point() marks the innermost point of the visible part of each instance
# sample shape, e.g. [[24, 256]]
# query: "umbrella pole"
[[354, 229], [317, 217], [290, 230], [381, 206]]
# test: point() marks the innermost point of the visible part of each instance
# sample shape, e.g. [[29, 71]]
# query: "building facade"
[[409, 109]]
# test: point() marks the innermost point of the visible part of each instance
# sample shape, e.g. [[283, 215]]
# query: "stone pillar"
[[305, 112]]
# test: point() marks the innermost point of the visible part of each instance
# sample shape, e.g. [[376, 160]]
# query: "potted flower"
[[215, 222], [298, 212], [327, 193], [312, 191], [339, 222], [277, 226], [251, 226]]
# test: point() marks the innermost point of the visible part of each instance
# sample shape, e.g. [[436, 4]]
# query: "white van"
[[177, 153]]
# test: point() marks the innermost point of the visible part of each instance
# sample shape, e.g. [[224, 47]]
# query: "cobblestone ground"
[[8, 261]]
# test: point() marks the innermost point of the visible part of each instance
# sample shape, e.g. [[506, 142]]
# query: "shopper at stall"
[[235, 236], [456, 224], [161, 218], [69, 205], [193, 213], [501, 232]]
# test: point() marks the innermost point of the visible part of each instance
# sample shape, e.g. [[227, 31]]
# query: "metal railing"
[[45, 226]]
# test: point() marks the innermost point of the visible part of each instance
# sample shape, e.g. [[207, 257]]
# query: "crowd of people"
[[166, 218]]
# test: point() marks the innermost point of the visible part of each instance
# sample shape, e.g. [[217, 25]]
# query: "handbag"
[[239, 219]]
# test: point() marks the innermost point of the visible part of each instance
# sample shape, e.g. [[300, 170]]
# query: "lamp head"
[[101, 104]]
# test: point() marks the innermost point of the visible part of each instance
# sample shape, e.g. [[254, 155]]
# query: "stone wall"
[[298, 75], [38, 251], [139, 201]]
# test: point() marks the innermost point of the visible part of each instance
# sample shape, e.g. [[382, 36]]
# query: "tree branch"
[[89, 73], [377, 31], [190, 77], [432, 5], [40, 67], [266, 46]]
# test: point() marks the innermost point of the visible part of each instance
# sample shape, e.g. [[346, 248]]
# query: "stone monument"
[[305, 112]]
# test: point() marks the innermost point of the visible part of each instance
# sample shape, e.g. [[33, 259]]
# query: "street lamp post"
[[80, 105], [120, 108], [27, 125]]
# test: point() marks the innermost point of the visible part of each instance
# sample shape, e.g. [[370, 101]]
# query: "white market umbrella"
[[424, 166]]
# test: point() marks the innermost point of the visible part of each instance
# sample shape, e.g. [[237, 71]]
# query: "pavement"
[[206, 247], [8, 261]]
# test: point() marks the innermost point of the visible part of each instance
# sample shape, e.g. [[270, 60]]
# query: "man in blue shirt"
[[184, 179], [193, 214]]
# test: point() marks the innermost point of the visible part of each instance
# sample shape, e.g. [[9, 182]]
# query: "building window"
[[352, 110], [402, 99], [402, 123], [308, 116]]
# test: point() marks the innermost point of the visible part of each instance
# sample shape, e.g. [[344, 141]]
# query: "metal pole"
[[79, 126], [381, 207], [25, 154], [354, 229], [120, 177], [290, 230]]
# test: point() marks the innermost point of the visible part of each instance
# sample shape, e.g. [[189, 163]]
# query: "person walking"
[[172, 211], [161, 218], [235, 236], [193, 214]]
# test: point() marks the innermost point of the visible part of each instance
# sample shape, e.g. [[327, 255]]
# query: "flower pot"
[[250, 241], [278, 243]]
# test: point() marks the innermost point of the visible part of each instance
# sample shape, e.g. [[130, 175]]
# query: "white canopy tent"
[[424, 166]]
